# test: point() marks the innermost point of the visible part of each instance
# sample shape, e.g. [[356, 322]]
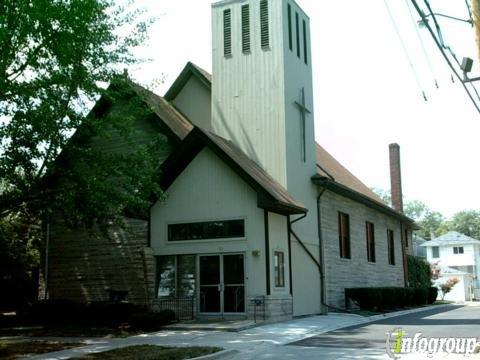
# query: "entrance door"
[[222, 284]]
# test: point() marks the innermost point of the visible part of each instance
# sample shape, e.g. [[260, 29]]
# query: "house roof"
[[271, 195], [332, 175], [189, 70], [446, 270], [329, 169], [451, 238], [328, 166]]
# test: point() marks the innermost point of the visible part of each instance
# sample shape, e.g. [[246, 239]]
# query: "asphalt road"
[[369, 341]]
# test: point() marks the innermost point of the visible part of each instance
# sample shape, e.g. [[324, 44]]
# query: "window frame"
[[305, 42], [344, 239], [279, 268], [172, 226], [297, 29], [458, 250], [391, 247], [370, 235], [290, 28], [437, 248]]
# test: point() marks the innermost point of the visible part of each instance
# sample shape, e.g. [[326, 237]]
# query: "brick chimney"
[[396, 178]]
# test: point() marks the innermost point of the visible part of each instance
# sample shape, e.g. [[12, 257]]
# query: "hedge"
[[384, 298], [64, 312]]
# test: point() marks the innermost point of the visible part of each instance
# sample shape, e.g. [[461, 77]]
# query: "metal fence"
[[184, 308]]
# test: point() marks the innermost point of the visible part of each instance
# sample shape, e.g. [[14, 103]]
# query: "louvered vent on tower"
[[265, 35], [227, 33], [246, 28]]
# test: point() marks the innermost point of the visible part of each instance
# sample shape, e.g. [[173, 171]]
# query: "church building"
[[258, 219]]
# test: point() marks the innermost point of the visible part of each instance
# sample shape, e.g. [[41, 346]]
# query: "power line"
[[422, 44], [442, 50], [405, 50]]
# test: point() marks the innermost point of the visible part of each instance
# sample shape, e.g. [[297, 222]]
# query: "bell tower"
[[262, 100]]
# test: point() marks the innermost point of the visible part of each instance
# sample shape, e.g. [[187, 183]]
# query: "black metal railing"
[[184, 308]]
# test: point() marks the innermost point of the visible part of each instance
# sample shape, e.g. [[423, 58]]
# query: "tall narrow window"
[[435, 252], [246, 28], [370, 242], [305, 42], [391, 247], [279, 269], [264, 30], [290, 37], [344, 235], [297, 28], [406, 238], [227, 33]]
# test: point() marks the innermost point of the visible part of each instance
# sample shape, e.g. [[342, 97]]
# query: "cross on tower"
[[303, 114]]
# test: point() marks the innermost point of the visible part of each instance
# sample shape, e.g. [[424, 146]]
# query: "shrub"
[[432, 294], [409, 296], [383, 298], [151, 321], [53, 311], [419, 272], [420, 296], [108, 313]]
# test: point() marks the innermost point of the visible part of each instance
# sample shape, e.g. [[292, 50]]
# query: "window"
[[227, 33], [264, 30], [435, 252], [207, 230], [344, 235], [246, 28], [406, 238], [370, 242], [305, 42], [290, 38], [176, 276], [458, 250], [279, 269], [391, 247], [297, 27]]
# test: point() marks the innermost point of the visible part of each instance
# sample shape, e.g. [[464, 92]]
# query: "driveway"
[[343, 336]]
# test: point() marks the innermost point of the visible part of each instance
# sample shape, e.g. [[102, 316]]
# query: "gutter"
[[323, 288]]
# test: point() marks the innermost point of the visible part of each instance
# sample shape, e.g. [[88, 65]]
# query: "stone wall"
[[357, 271], [83, 267], [270, 308]]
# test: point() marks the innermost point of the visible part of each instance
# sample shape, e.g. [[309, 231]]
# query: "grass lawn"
[[10, 350], [67, 331], [151, 352]]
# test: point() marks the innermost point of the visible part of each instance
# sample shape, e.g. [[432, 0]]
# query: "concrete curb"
[[225, 354], [406, 312]]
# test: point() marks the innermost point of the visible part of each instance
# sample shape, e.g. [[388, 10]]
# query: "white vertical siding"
[[247, 103]]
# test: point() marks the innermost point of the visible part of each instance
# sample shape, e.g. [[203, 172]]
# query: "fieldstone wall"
[[357, 271]]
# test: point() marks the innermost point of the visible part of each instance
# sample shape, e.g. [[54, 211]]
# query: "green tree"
[[465, 222], [56, 56]]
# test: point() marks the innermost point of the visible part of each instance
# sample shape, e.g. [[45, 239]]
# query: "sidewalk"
[[248, 342]]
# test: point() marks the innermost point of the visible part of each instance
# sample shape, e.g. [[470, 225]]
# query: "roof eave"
[[189, 70], [355, 195]]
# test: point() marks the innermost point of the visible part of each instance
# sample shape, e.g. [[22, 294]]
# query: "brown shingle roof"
[[329, 167]]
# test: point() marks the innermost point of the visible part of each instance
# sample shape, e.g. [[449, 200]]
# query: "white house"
[[258, 218], [458, 252]]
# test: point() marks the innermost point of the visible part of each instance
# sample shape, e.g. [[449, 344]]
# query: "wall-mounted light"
[[255, 253]]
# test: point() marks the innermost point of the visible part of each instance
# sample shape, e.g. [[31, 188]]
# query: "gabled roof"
[[451, 238], [328, 166], [335, 177], [175, 121], [188, 71], [271, 195]]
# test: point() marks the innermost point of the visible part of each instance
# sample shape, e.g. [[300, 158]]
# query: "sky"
[[366, 94]]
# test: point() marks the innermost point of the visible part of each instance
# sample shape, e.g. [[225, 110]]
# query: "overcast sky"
[[366, 94]]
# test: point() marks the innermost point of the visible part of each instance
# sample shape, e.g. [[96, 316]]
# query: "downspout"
[[47, 250], [320, 254]]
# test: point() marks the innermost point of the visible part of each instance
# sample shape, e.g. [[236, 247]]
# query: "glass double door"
[[222, 284]]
